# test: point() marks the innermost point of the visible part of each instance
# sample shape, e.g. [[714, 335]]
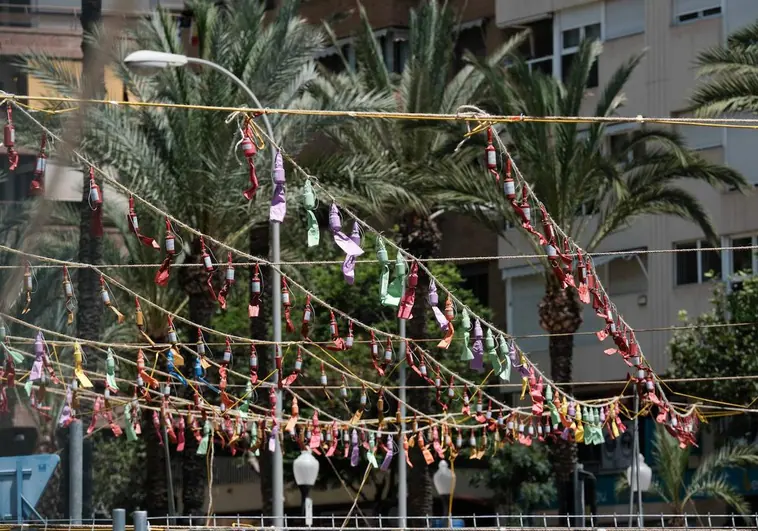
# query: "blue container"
[[444, 522]]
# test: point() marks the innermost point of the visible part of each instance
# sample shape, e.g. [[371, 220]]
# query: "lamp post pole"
[[277, 471], [156, 60], [305, 469]]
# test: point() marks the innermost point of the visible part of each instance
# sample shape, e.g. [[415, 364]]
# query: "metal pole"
[[277, 471], [169, 478], [140, 520], [119, 519], [634, 476], [76, 471], [402, 467], [637, 469]]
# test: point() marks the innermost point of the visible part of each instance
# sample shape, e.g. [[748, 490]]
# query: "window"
[[538, 49], [469, 40], [393, 43], [743, 261], [16, 13], [690, 10], [476, 279], [14, 186], [332, 61], [570, 40], [694, 266], [617, 143], [627, 275], [696, 137]]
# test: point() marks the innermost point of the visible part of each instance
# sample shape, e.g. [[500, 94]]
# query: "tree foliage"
[[520, 478], [713, 352], [678, 489]]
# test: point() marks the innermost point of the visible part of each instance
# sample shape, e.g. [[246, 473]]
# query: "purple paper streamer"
[[477, 348], [387, 459], [36, 372], [348, 269], [348, 266], [278, 204], [441, 319], [349, 247], [279, 175], [66, 411], [354, 455]]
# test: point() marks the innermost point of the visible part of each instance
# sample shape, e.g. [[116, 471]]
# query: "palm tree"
[[393, 157], [571, 171], [678, 489], [728, 75]]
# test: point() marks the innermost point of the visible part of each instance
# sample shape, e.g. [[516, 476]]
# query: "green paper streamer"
[[245, 405], [466, 354], [549, 394], [381, 253], [131, 435], [309, 203], [202, 448], [505, 362], [555, 418], [13, 353], [396, 287], [110, 370], [384, 282], [314, 234], [254, 438], [489, 345], [465, 319], [28, 388], [372, 459]]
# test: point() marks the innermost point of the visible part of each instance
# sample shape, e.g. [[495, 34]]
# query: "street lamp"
[[639, 476], [305, 468], [443, 483], [148, 62]]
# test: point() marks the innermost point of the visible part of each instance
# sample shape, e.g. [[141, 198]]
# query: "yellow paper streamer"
[[579, 429], [78, 370]]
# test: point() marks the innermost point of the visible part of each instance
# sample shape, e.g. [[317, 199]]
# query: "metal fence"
[[544, 522]]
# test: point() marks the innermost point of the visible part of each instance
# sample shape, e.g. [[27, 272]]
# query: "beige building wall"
[[672, 32]]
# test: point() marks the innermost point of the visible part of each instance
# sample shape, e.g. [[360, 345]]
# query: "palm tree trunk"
[[420, 236], [193, 281], [156, 487], [89, 314], [560, 313]]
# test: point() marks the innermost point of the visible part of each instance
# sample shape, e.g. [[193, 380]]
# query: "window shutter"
[[624, 17]]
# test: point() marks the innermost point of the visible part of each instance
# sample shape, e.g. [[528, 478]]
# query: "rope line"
[[738, 123]]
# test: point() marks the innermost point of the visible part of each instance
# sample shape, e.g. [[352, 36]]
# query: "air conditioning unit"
[[617, 453]]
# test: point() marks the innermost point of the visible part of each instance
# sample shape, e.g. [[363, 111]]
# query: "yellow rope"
[[742, 123]]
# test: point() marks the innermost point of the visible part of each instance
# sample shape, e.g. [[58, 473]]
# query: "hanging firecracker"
[[95, 200], [37, 187], [9, 138], [249, 150], [134, 226]]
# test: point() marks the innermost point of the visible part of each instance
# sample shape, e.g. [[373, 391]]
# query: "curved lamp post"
[[305, 467], [639, 478], [443, 480], [148, 62]]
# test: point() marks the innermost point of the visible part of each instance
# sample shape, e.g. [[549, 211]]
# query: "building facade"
[[649, 289]]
